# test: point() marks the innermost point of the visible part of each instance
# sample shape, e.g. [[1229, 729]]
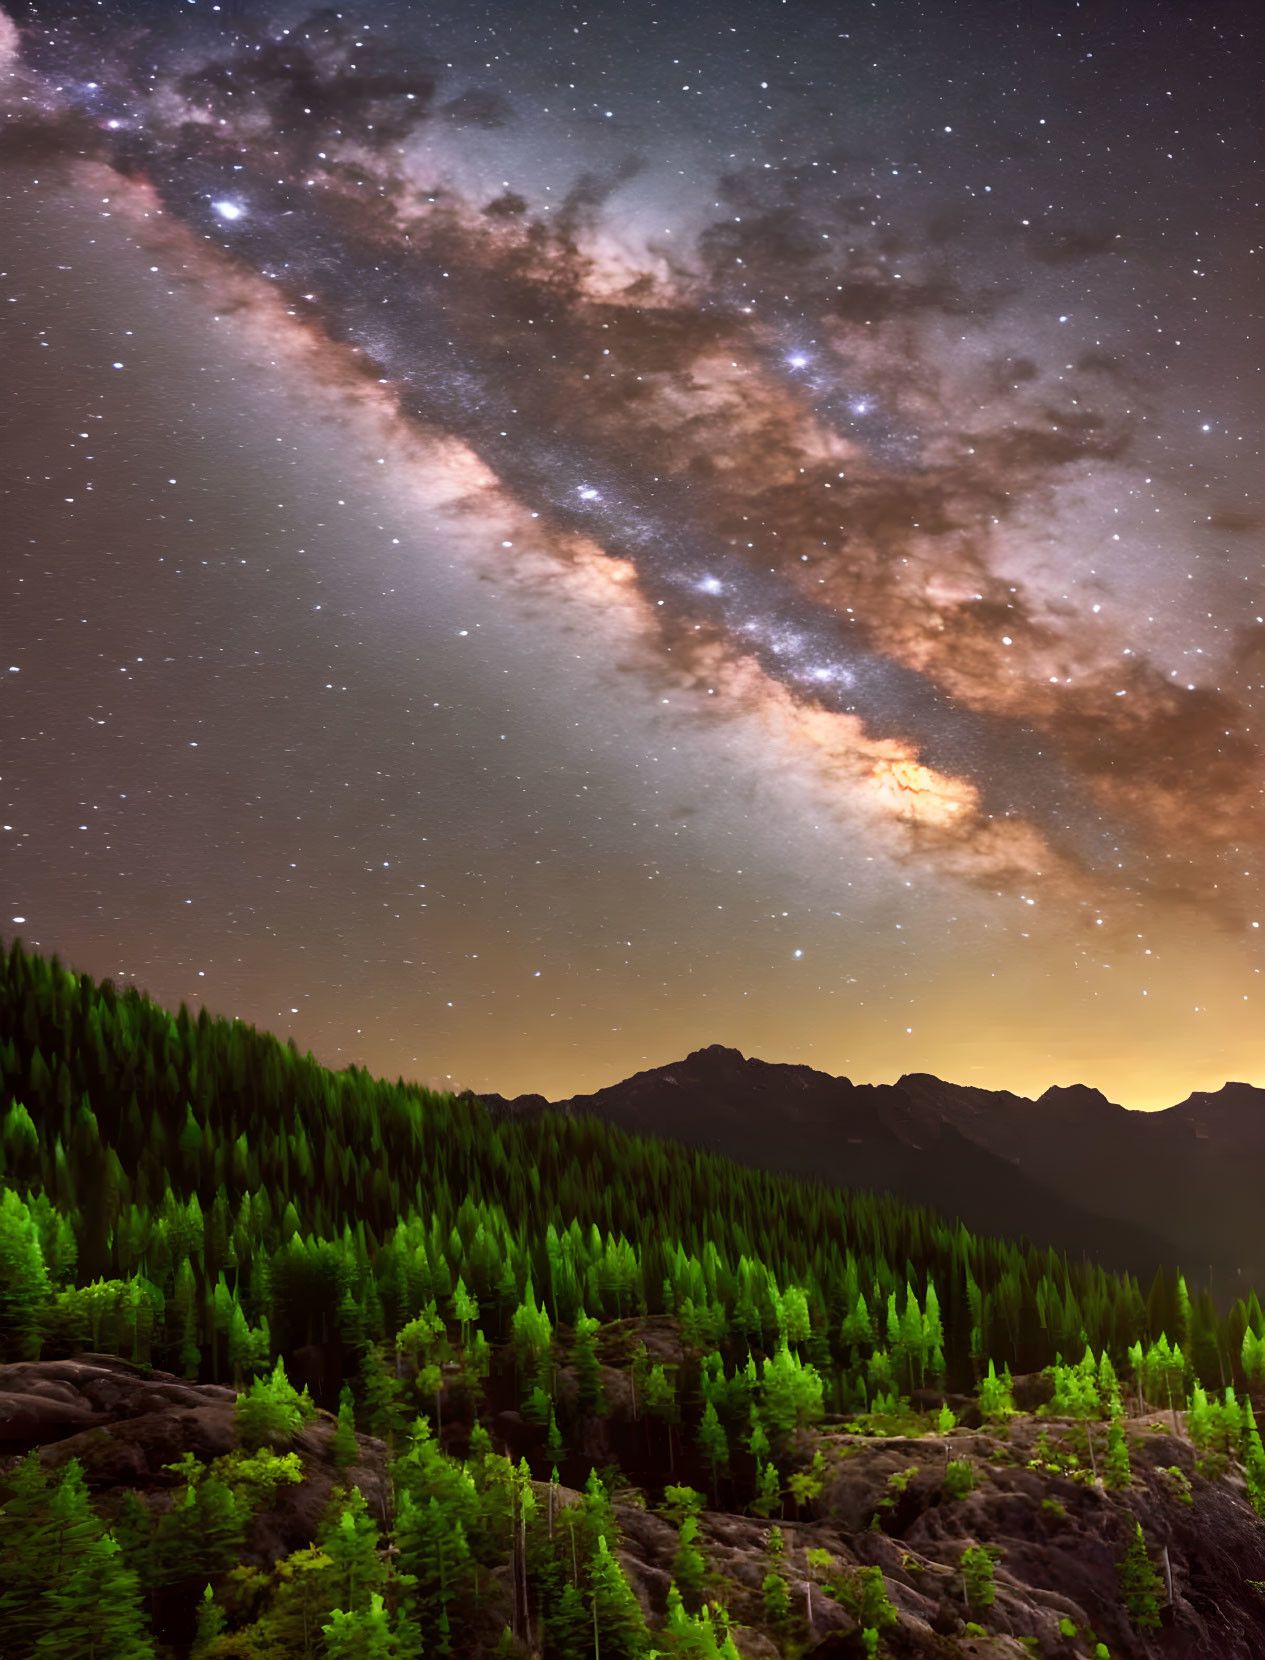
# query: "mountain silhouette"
[[1070, 1170]]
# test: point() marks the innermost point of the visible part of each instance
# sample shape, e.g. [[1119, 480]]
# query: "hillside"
[[1070, 1170], [535, 1331]]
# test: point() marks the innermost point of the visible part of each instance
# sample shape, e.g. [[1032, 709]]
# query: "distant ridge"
[[1071, 1170]]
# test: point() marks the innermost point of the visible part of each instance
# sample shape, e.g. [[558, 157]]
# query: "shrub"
[[777, 1603], [271, 1411], [977, 1576], [958, 1479], [1140, 1584]]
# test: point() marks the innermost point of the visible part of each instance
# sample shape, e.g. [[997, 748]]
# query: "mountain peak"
[[1075, 1095], [716, 1052]]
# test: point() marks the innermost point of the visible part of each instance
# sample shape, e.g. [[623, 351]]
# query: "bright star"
[[228, 210]]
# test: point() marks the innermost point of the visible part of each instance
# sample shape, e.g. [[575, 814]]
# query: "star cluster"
[[582, 537]]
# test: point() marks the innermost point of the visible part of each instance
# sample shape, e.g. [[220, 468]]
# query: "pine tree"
[[569, 1630], [465, 1309], [977, 1577], [382, 1395], [1118, 1470], [1140, 1584], [555, 1446], [24, 1281], [94, 1612], [619, 1624], [343, 1445], [872, 1606], [680, 1502], [777, 1602], [598, 1513], [271, 1411], [350, 1539], [210, 1625], [791, 1394], [758, 1442], [73, 1527], [768, 1495], [584, 1354], [806, 1485], [302, 1596], [25, 1543], [714, 1444], [689, 1566], [1199, 1423], [996, 1402], [689, 1637], [1253, 1455], [133, 1530], [533, 1335], [368, 1634], [435, 1558], [202, 1533], [659, 1399]]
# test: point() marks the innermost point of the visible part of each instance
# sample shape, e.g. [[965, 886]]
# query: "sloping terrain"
[[1071, 1170], [1056, 1537], [308, 1363]]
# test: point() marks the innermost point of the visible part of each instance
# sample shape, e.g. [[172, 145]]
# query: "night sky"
[[537, 537]]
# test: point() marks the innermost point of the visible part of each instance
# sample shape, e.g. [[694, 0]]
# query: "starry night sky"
[[535, 538]]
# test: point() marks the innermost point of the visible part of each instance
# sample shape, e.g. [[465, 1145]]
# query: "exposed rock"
[[1056, 1533], [126, 1424]]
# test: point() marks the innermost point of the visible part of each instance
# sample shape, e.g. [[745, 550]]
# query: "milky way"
[[879, 394]]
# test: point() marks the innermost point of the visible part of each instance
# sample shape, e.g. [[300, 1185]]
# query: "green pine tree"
[[996, 1402], [210, 1625], [777, 1601], [1140, 1583], [588, 1372], [133, 1530], [25, 1544], [368, 1634], [343, 1445], [1253, 1455], [299, 1597], [977, 1577], [555, 1446], [619, 1624], [349, 1538], [94, 1612], [435, 1559], [383, 1397], [768, 1495], [689, 1566], [569, 1627], [714, 1444], [24, 1281], [872, 1606], [1117, 1470], [271, 1411]]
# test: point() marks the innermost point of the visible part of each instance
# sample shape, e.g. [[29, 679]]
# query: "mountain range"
[[1071, 1170]]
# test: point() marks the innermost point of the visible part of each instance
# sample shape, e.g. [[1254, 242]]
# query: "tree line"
[[193, 1194]]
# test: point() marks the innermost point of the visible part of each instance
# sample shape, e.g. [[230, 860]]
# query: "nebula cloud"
[[825, 447]]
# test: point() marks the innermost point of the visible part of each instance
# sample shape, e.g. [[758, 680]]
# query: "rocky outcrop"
[[125, 1425], [1055, 1532]]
